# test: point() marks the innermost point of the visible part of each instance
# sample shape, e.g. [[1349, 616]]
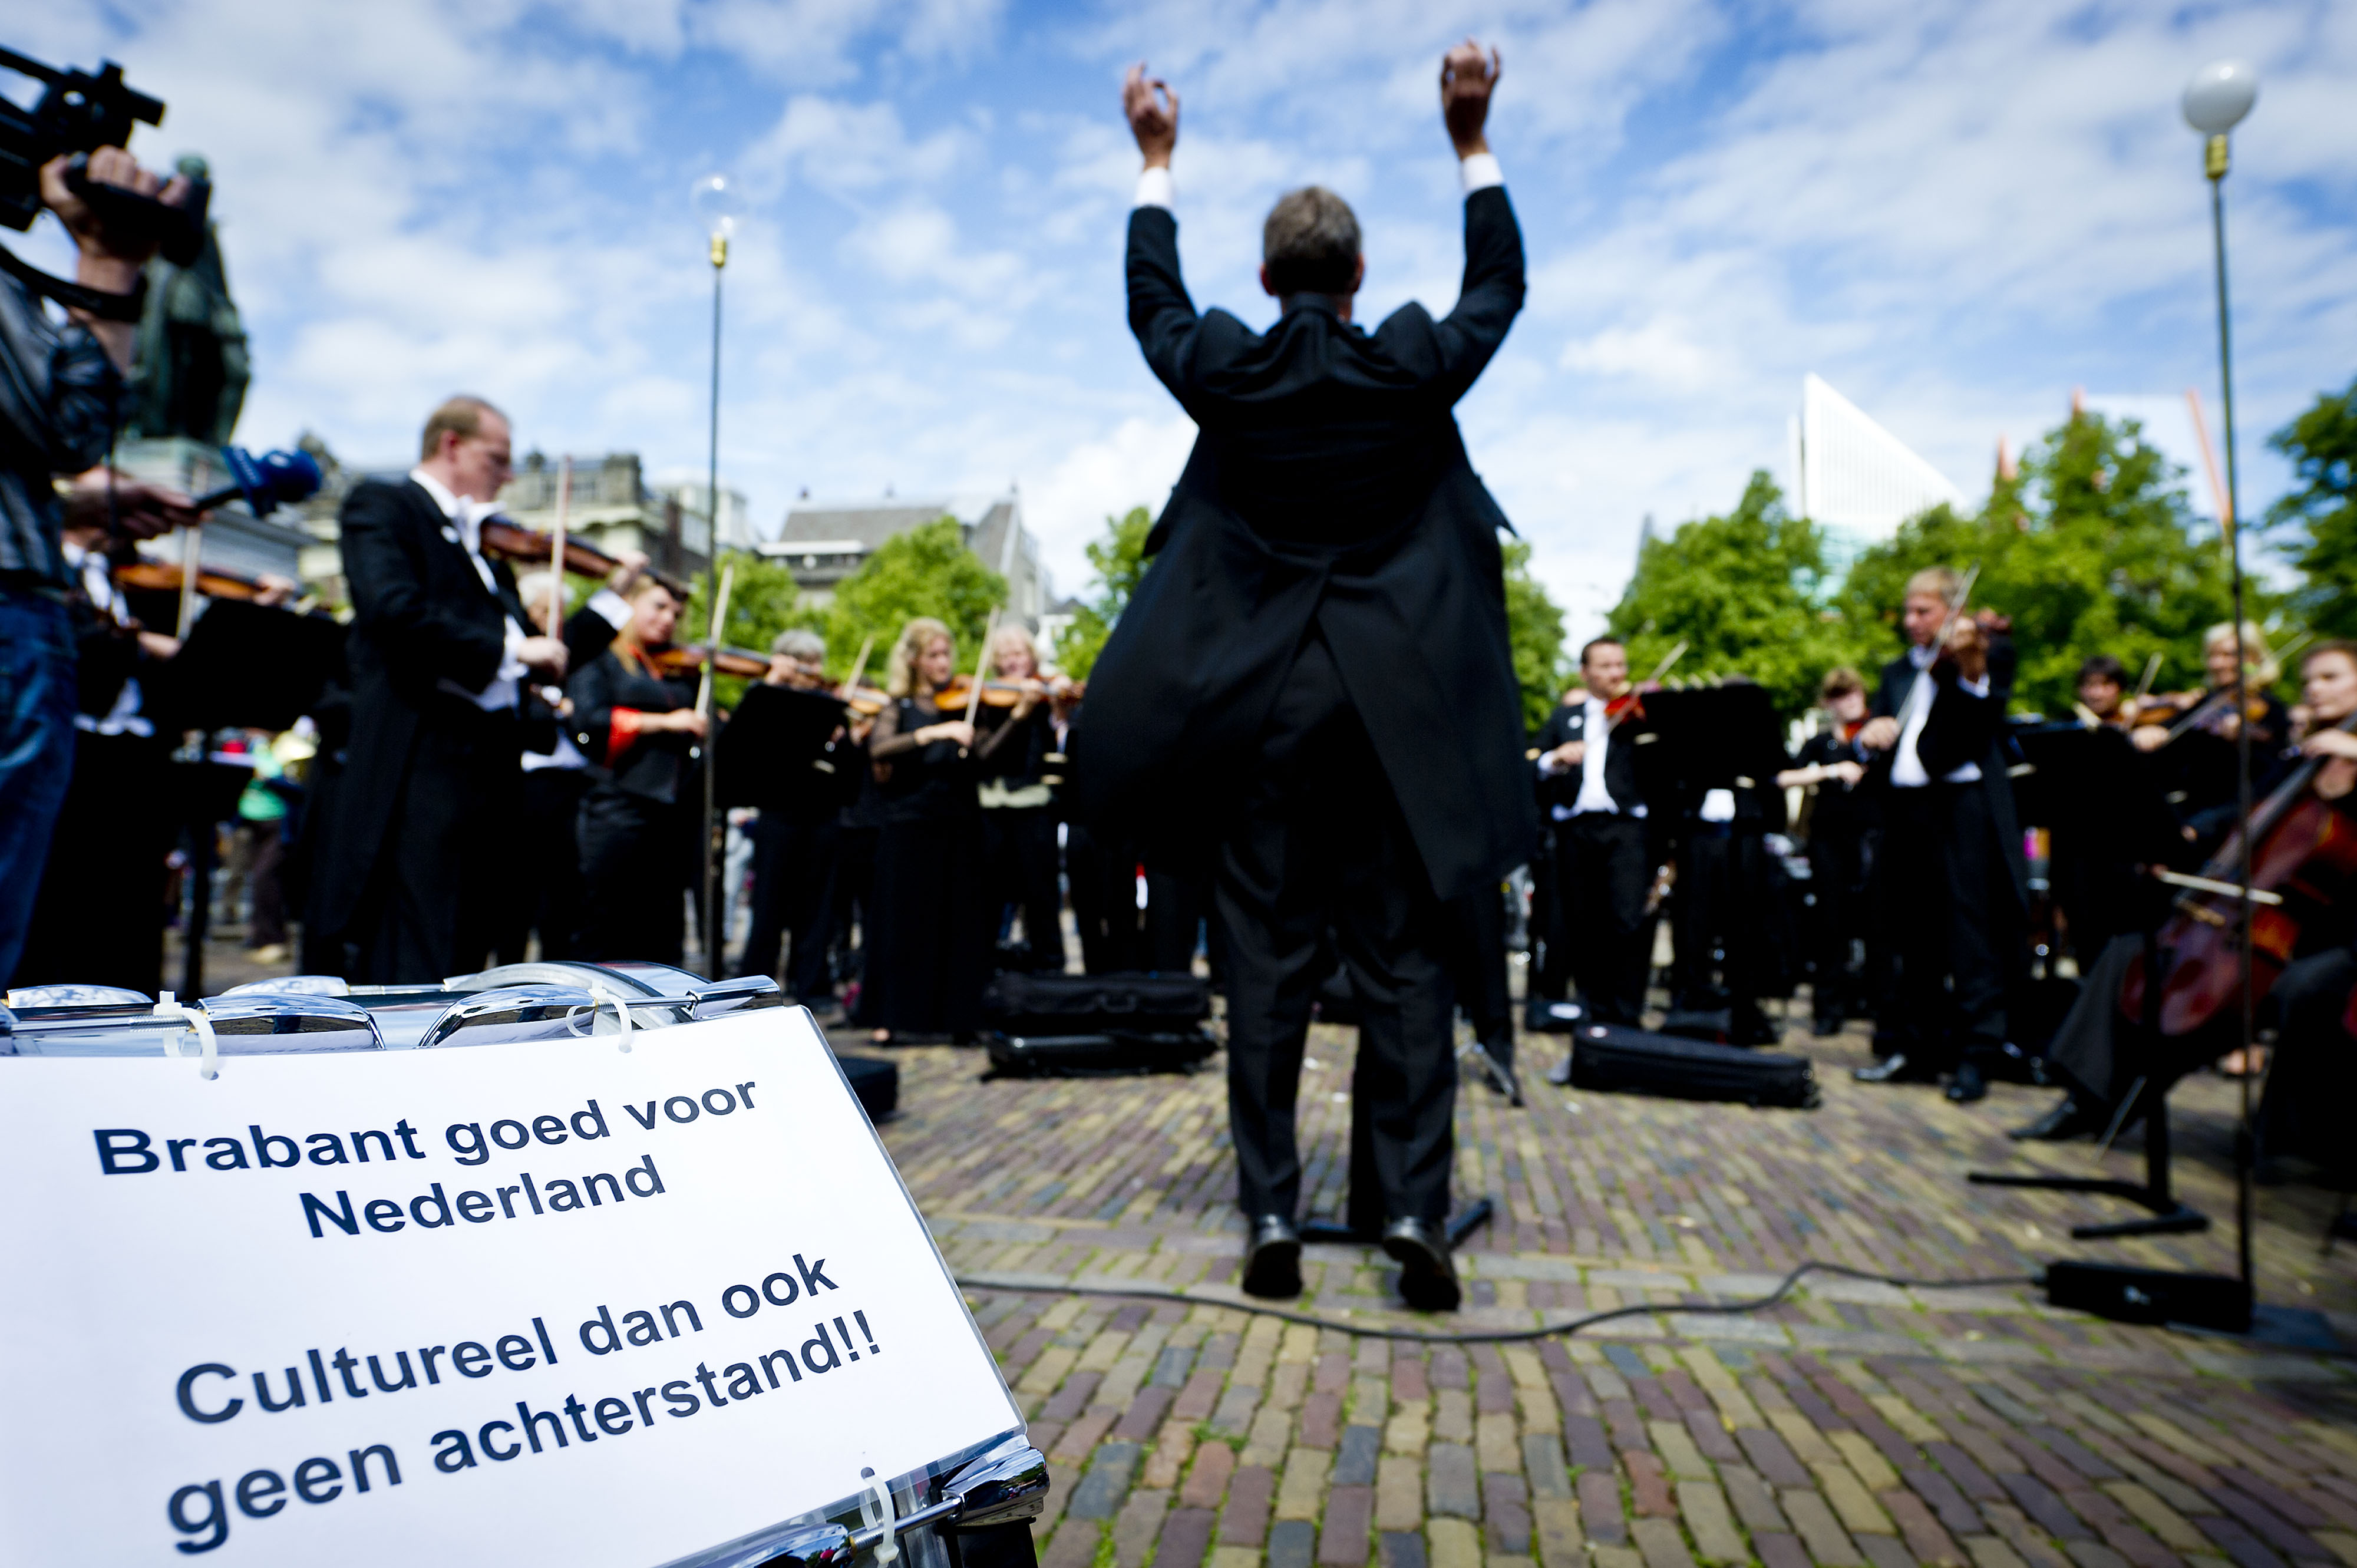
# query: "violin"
[[1847, 732], [2303, 860], [678, 657], [163, 576], [959, 694], [513, 541], [2178, 711]]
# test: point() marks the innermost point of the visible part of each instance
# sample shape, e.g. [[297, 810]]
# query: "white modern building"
[[1853, 478]]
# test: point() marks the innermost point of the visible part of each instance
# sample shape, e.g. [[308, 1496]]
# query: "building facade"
[[823, 543]]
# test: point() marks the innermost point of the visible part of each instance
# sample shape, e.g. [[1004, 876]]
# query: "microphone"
[[264, 482]]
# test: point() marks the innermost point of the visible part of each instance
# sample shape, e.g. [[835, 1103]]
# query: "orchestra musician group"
[[501, 773]]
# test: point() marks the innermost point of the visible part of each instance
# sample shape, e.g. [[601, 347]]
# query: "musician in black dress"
[[2195, 751], [929, 931], [1603, 863], [638, 726], [1844, 827], [2102, 1056], [1018, 817], [794, 842]]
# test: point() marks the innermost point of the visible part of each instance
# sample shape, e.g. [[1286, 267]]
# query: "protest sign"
[[543, 1301]]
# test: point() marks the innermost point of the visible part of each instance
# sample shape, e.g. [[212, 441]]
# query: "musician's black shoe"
[[2071, 1118], [1492, 1059], [1428, 1279], [1273, 1261], [1896, 1068], [1967, 1085]]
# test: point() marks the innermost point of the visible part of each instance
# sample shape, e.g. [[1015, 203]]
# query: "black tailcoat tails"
[[1319, 649], [411, 873]]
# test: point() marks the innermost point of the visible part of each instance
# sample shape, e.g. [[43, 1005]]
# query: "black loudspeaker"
[[2130, 1295]]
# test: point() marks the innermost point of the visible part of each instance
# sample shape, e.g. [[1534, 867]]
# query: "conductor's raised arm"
[[1160, 313], [1491, 293]]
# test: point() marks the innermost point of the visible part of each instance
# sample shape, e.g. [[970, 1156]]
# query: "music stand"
[[2092, 784], [247, 666], [774, 736]]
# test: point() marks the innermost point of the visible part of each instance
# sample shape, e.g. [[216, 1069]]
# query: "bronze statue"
[[193, 367]]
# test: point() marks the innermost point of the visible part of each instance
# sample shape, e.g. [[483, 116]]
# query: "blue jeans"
[[37, 741]]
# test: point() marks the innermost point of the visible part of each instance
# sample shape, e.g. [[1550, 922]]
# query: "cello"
[[2303, 857]]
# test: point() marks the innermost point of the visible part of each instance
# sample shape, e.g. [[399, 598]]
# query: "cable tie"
[[208, 1052], [875, 1509], [602, 993]]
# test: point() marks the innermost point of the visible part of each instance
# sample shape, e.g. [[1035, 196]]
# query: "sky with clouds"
[[1954, 211]]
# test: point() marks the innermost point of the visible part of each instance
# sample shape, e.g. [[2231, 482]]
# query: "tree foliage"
[[2322, 446], [762, 597], [1744, 592], [928, 571], [2091, 550], [1534, 633], [1119, 562]]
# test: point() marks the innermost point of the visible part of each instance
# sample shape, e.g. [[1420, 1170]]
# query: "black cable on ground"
[[1490, 1336]]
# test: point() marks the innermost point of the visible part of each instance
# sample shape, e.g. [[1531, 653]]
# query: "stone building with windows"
[[823, 543]]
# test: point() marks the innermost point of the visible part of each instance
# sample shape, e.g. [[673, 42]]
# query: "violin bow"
[[712, 649], [859, 668], [556, 549], [2144, 687], [981, 664]]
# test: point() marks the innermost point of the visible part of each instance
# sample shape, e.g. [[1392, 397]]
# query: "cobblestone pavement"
[[1857, 1424]]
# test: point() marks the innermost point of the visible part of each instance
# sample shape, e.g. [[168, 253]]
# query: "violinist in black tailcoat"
[[1601, 867], [1952, 888], [1317, 663], [638, 725], [412, 879]]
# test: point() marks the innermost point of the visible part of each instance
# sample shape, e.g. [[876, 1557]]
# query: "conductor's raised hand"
[[1152, 105], [1468, 77]]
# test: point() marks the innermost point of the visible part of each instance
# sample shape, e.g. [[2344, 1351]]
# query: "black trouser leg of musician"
[[1550, 872], [1910, 887], [810, 912], [1018, 842], [440, 886], [1701, 905], [1835, 878], [1985, 926], [1104, 876], [1178, 899], [1320, 839], [2312, 1080], [1477, 965], [765, 933], [929, 938], [636, 856], [1607, 935], [549, 898]]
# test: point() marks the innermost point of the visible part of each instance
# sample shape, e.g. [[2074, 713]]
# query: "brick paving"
[[1856, 1425]]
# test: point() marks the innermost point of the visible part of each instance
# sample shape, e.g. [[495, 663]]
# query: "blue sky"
[[1956, 211]]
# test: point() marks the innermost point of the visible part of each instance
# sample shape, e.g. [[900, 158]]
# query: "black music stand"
[[2092, 784], [247, 666], [775, 733]]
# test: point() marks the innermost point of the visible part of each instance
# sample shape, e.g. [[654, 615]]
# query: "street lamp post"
[[2215, 101], [714, 197]]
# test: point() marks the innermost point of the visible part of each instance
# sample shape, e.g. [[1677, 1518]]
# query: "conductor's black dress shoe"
[[1428, 1279], [1273, 1261], [1967, 1084]]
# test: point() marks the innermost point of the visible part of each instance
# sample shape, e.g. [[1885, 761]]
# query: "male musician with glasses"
[[432, 781], [1316, 670], [1952, 889]]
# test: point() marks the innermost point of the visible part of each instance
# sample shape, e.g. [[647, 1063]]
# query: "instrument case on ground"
[[1129, 1004], [1106, 1054], [1610, 1059]]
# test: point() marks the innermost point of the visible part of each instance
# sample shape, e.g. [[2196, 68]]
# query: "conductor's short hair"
[[1593, 643], [2104, 668], [1310, 243], [461, 415]]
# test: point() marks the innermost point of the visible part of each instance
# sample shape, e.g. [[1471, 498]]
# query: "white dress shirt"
[[98, 583], [1596, 740], [466, 531], [1907, 771]]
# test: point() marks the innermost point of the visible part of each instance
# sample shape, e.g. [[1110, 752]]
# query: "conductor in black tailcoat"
[[1952, 890], [439, 651], [1315, 669]]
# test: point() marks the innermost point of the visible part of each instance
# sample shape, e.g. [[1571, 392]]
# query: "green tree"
[[2322, 446], [762, 602], [928, 571], [1534, 633], [2091, 550], [1119, 562], [1744, 592]]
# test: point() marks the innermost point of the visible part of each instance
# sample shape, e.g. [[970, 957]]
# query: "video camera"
[[79, 113]]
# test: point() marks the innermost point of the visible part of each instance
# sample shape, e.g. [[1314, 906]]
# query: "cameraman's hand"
[[140, 511], [1467, 80], [110, 262], [1153, 122]]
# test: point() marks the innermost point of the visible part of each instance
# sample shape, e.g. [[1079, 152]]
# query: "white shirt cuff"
[[1155, 188], [610, 605], [1979, 688], [1479, 172], [1549, 767]]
